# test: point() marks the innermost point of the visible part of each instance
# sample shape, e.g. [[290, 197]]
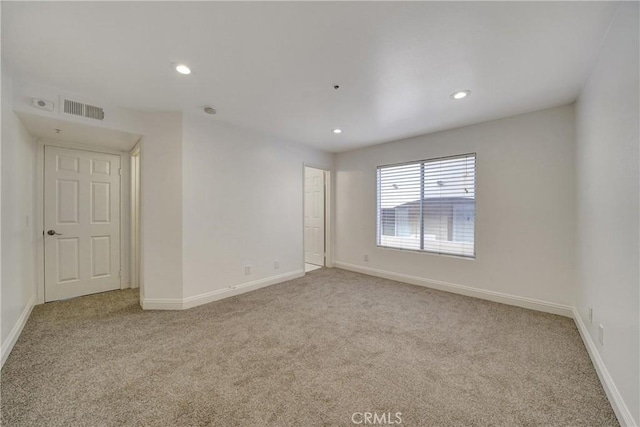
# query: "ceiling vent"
[[76, 108]]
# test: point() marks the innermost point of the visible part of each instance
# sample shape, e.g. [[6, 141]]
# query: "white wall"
[[243, 202], [161, 206], [210, 143], [161, 176], [525, 209], [18, 237], [608, 254]]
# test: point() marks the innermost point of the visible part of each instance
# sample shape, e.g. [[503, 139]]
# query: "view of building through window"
[[428, 205]]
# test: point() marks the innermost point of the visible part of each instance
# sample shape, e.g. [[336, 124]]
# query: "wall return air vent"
[[76, 108]]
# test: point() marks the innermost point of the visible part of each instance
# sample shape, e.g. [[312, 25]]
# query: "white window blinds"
[[429, 205]]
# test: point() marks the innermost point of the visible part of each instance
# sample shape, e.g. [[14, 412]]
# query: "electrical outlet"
[[601, 334], [590, 311], [366, 258], [276, 264], [247, 269]]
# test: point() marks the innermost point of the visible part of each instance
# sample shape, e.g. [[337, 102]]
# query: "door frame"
[[125, 200], [328, 209], [136, 219]]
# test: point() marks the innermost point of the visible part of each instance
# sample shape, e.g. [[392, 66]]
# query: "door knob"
[[53, 233]]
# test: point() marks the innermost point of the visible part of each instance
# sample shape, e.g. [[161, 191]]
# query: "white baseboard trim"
[[219, 294], [530, 303], [160, 304], [11, 340], [619, 407], [196, 300]]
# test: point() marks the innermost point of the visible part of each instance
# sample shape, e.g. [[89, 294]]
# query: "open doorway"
[[315, 218]]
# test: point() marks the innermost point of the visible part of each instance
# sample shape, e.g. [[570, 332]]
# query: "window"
[[429, 205]]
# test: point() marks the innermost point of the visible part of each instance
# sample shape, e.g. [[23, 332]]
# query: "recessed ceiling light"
[[460, 94], [337, 131], [182, 69]]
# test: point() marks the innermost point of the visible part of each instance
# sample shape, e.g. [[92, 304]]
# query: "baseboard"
[[219, 294], [160, 304], [530, 303], [619, 407], [11, 340], [196, 300]]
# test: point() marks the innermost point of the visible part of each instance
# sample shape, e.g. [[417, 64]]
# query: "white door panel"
[[314, 238], [81, 205]]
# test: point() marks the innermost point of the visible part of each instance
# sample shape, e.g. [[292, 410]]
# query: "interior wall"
[[161, 194], [18, 235], [525, 206], [161, 176], [243, 204], [608, 191]]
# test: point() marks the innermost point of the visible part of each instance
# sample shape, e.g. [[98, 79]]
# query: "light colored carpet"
[[309, 352], [310, 267]]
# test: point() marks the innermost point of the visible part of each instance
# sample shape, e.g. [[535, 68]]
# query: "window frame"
[[422, 162]]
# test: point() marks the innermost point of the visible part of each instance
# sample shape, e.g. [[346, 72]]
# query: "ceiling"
[[44, 127], [272, 66]]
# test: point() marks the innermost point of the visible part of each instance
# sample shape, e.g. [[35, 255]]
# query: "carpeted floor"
[[309, 352]]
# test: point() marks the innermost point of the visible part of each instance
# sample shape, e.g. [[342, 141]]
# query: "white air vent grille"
[[73, 107], [83, 110], [93, 112]]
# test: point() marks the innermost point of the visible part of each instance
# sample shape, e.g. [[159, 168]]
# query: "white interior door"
[[314, 240], [81, 222]]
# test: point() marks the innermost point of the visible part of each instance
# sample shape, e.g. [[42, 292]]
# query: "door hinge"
[[120, 274], [120, 172]]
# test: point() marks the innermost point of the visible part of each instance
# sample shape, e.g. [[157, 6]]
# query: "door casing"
[[328, 210], [125, 207], [136, 218]]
